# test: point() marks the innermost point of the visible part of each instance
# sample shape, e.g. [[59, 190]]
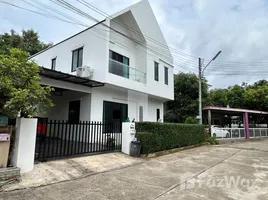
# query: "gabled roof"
[[148, 26]]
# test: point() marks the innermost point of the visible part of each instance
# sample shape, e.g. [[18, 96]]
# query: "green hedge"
[[156, 136]]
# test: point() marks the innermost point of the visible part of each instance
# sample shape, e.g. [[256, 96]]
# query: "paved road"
[[229, 171]]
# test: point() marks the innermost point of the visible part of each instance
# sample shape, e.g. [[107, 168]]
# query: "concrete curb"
[[162, 153], [229, 141]]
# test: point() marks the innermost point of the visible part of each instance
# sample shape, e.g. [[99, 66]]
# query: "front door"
[[115, 113]]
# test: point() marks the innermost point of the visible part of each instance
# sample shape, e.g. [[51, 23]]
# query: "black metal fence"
[[56, 139]]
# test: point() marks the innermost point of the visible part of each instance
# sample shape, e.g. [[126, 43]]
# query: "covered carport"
[[239, 123]]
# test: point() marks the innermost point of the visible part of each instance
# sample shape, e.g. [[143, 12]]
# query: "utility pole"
[[200, 68], [200, 76]]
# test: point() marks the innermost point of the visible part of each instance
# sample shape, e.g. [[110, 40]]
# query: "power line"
[[39, 13], [80, 12], [59, 12], [187, 62], [76, 10], [93, 29], [92, 7]]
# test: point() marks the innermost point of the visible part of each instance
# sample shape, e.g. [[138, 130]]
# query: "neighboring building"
[[129, 65]]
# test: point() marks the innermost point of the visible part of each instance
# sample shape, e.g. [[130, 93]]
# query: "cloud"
[[238, 28]]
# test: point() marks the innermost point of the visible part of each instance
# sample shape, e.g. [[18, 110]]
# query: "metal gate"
[[57, 139]]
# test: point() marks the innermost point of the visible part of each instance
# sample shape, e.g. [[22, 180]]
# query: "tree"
[[257, 98], [185, 102], [20, 90], [235, 96], [217, 97], [28, 41]]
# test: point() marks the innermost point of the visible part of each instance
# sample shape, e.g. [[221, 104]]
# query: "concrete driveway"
[[229, 171]]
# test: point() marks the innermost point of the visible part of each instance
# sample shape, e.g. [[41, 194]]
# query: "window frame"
[[156, 71], [125, 66], [77, 62], [166, 75], [53, 60], [111, 57], [157, 114]]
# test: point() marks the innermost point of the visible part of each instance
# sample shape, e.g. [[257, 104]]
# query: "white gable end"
[[149, 27]]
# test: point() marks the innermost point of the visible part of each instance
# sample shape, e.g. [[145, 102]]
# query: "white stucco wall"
[[153, 105], [132, 98], [91, 105], [105, 94], [95, 43], [60, 111]]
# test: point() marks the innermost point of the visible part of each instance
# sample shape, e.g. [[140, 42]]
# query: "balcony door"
[[119, 64]]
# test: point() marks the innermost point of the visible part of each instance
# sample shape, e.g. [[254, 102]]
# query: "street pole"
[[200, 66], [200, 76]]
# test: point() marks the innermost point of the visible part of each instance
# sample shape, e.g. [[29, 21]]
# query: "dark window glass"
[[156, 71], [115, 114], [118, 64], [157, 114], [53, 64], [77, 60], [74, 111], [166, 75]]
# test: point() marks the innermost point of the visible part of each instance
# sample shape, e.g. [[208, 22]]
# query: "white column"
[[25, 139], [128, 135]]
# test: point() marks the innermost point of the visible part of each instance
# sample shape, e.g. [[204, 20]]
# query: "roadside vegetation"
[[156, 136], [184, 108]]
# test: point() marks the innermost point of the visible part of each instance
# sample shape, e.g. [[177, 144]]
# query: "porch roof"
[[57, 75], [238, 110]]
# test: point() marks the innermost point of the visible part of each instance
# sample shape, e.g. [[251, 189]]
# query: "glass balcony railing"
[[125, 71]]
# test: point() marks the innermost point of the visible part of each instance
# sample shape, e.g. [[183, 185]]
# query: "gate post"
[[24, 148], [246, 125], [128, 135]]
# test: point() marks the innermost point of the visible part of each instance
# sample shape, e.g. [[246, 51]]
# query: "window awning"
[[57, 75]]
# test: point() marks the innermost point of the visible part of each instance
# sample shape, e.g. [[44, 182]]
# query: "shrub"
[[212, 140], [164, 136], [191, 120]]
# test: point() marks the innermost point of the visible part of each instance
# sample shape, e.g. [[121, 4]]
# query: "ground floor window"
[[157, 114], [74, 111], [114, 113]]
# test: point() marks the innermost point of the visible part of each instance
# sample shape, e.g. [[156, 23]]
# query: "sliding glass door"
[[114, 113]]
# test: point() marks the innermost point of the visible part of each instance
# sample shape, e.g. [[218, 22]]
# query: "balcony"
[[125, 71]]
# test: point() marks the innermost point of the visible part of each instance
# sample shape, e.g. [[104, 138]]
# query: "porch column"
[[246, 125], [209, 120], [24, 150]]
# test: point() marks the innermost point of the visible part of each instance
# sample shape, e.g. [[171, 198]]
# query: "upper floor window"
[[77, 59], [156, 71], [166, 75], [53, 63], [118, 64]]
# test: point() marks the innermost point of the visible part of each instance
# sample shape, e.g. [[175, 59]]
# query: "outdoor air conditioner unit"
[[85, 72]]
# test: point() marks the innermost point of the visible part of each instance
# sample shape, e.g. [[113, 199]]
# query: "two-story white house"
[[128, 70]]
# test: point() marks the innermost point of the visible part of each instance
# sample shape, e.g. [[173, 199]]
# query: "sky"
[[192, 28]]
